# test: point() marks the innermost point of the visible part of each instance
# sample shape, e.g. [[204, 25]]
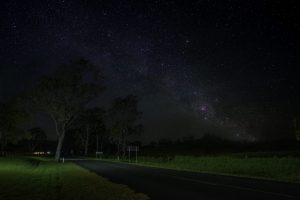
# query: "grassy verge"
[[272, 168], [32, 179]]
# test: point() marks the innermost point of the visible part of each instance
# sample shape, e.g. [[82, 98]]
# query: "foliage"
[[36, 136], [12, 118], [90, 123], [93, 118], [65, 94], [122, 120]]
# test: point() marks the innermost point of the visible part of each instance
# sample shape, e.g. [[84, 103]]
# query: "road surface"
[[164, 184]]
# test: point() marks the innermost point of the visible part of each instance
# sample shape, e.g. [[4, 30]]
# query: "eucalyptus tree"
[[36, 136], [122, 121], [64, 95], [12, 120], [89, 124]]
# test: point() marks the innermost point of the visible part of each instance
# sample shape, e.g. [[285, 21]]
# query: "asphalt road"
[[164, 184]]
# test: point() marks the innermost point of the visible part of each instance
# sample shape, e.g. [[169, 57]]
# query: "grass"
[[41, 179], [273, 168]]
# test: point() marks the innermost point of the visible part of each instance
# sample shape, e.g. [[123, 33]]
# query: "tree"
[[11, 119], [296, 128], [90, 123], [36, 136], [65, 94], [122, 118], [98, 128]]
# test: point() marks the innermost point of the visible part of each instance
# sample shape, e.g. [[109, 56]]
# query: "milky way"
[[201, 59]]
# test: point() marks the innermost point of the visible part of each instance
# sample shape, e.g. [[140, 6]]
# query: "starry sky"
[[227, 67]]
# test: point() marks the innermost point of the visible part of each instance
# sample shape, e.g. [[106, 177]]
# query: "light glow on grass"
[[36, 179]]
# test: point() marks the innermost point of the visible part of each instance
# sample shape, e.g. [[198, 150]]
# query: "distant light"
[[38, 153]]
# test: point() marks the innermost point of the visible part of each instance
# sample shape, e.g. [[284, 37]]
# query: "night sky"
[[206, 66]]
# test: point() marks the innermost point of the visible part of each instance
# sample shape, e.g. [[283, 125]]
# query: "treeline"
[[66, 97], [211, 144]]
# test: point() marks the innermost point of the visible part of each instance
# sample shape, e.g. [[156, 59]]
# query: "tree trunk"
[[3, 143], [101, 145], [32, 146], [97, 146], [123, 148], [86, 145], [2, 148], [124, 143], [59, 146], [60, 136], [118, 153]]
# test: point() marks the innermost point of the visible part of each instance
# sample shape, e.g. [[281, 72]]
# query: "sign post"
[[136, 154], [129, 155], [99, 154], [132, 148], [297, 128]]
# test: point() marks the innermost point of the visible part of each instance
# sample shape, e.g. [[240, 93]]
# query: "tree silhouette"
[[36, 136], [65, 94], [122, 118], [11, 119], [90, 123]]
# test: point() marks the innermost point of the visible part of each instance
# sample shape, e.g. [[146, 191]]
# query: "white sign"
[[132, 148]]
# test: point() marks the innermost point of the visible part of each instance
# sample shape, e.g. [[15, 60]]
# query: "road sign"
[[132, 148], [99, 153]]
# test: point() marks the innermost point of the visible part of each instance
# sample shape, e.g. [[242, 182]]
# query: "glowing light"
[[41, 153], [38, 153]]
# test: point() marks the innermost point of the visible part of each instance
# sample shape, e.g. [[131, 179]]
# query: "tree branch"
[[56, 124]]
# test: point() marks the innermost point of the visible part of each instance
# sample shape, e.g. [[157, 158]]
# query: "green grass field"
[[41, 179], [274, 168]]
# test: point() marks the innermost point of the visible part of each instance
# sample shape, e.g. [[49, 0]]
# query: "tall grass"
[[276, 168]]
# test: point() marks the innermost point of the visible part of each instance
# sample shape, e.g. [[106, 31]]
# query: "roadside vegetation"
[[259, 165], [35, 179]]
